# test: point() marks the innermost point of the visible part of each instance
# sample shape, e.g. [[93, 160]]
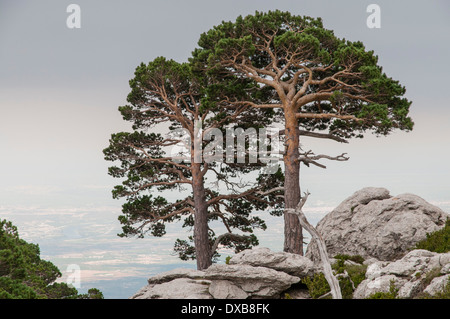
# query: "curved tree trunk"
[[201, 238], [327, 271], [293, 237]]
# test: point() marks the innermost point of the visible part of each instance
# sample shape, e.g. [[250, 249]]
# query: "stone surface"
[[378, 284], [220, 281], [286, 262], [180, 288], [409, 275], [373, 224], [297, 293], [437, 285], [225, 289], [256, 281], [174, 274]]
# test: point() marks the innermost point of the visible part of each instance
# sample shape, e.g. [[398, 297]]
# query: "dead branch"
[[310, 158], [328, 272]]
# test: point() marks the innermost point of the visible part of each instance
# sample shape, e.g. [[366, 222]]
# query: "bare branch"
[[309, 158], [328, 272]]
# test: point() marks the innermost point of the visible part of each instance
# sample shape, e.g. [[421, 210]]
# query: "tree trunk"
[[293, 238], [201, 240]]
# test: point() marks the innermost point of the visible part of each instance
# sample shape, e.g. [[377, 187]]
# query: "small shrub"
[[351, 275], [438, 241], [317, 286], [356, 273]]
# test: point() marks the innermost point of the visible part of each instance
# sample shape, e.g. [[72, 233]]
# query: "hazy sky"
[[60, 89]]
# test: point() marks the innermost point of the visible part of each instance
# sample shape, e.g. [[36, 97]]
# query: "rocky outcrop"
[[410, 275], [292, 264], [246, 276], [372, 223]]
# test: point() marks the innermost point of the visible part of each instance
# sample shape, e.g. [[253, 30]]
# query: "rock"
[[180, 288], [224, 289], [410, 289], [219, 281], [440, 261], [374, 270], [437, 285], [408, 274], [379, 284], [292, 264], [258, 282], [416, 260], [175, 274], [297, 293], [373, 224], [446, 269]]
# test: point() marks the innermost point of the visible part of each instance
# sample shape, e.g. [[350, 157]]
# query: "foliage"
[[341, 258], [438, 241], [317, 85], [348, 276], [317, 285], [168, 97], [326, 74], [24, 275], [354, 274]]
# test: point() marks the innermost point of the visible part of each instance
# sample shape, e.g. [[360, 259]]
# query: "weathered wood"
[[327, 271]]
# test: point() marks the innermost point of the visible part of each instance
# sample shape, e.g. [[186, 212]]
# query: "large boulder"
[[292, 264], [374, 224], [221, 281], [179, 288], [260, 282]]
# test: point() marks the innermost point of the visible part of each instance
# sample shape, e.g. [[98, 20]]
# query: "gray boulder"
[[258, 282], [437, 285], [219, 281], [225, 289], [179, 288], [373, 224], [379, 284], [292, 264]]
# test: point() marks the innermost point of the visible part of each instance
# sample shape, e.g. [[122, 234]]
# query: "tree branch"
[[322, 135], [218, 240], [307, 159], [326, 116]]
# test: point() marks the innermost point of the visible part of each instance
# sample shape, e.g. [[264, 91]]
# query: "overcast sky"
[[60, 89]]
